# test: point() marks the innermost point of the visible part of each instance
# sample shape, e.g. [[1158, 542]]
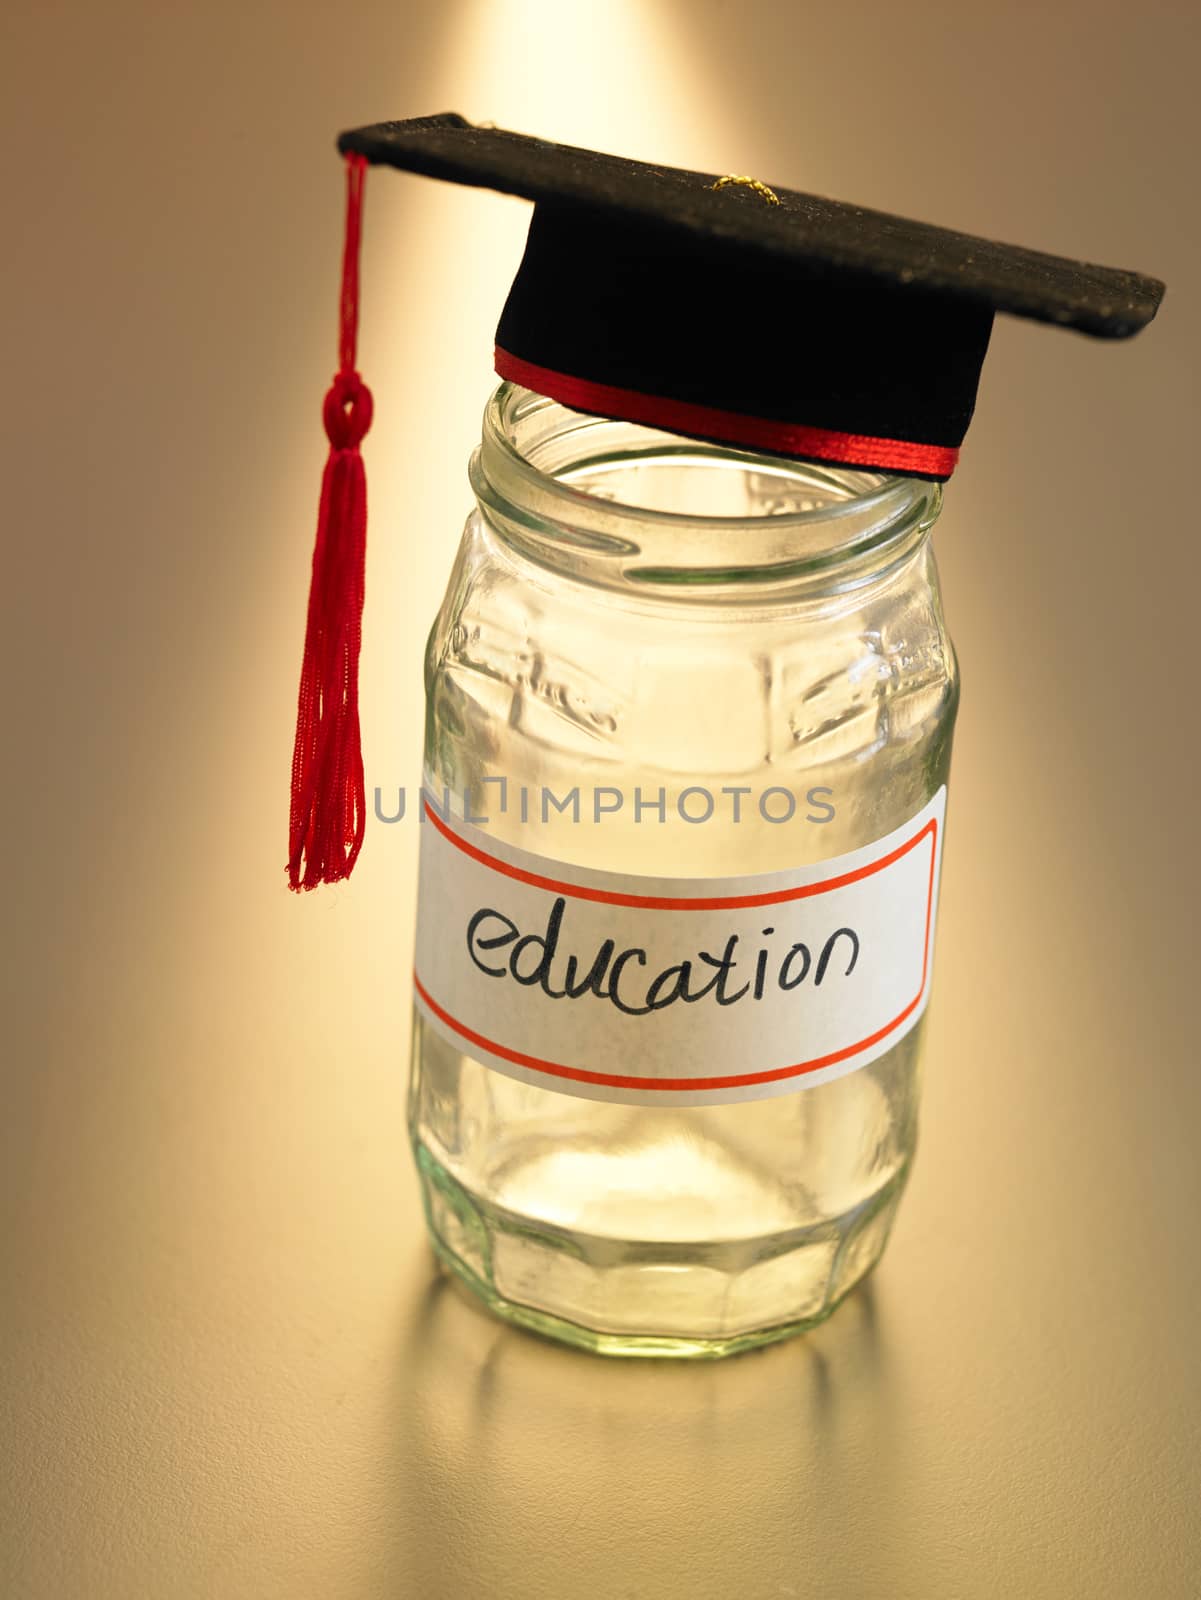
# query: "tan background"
[[228, 1371]]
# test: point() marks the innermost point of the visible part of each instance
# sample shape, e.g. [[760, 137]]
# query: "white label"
[[685, 991]]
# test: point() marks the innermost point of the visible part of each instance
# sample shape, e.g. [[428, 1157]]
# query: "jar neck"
[[652, 513]]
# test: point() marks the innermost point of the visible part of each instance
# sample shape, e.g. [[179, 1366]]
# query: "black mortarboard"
[[702, 304], [725, 309]]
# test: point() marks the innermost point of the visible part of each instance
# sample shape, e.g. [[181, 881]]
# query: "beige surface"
[[227, 1371]]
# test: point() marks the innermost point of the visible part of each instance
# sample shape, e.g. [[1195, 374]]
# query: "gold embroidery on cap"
[[760, 189]]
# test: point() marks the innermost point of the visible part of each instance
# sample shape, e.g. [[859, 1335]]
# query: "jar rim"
[[862, 522], [892, 493]]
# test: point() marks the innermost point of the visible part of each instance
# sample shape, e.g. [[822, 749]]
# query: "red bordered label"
[[657, 990]]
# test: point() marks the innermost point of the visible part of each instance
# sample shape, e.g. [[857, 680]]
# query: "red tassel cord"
[[328, 795]]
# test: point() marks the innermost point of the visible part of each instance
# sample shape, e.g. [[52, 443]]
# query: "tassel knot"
[[347, 411]]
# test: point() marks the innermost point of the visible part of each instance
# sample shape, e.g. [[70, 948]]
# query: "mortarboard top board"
[[757, 316], [712, 306]]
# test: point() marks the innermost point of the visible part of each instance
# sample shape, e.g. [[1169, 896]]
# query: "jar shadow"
[[534, 1469]]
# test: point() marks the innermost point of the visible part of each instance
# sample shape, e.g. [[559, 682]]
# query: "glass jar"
[[746, 657]]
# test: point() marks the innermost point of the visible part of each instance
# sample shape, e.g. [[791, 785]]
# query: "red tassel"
[[329, 810]]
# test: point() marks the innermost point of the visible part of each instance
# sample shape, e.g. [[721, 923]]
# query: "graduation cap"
[[710, 305]]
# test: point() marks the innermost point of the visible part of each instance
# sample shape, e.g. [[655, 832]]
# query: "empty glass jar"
[[688, 732]]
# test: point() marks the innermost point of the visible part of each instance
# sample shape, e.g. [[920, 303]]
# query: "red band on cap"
[[757, 433]]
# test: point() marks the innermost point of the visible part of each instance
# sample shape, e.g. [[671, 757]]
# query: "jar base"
[[624, 1298]]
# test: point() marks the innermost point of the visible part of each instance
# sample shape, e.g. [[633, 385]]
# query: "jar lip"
[[893, 495]]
